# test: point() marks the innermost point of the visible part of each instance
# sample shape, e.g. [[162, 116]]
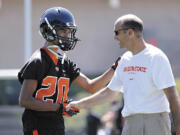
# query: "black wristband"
[[113, 67]]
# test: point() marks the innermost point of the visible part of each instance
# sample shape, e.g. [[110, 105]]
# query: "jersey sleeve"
[[31, 70], [73, 70], [162, 72]]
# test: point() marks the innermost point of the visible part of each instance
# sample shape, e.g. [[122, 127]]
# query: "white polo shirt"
[[141, 78]]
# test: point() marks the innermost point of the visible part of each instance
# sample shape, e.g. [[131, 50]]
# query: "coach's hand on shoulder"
[[114, 66]]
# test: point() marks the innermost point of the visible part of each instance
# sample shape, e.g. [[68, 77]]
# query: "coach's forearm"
[[100, 81], [174, 101], [100, 97]]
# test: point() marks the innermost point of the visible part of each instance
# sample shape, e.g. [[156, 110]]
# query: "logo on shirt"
[[135, 68]]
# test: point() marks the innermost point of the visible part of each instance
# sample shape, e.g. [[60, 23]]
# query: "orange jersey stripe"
[[52, 56], [35, 132]]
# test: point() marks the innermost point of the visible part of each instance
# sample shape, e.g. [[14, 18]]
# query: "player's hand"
[[114, 66], [73, 104], [71, 111]]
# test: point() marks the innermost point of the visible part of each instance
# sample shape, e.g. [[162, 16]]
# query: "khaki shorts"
[[147, 124]]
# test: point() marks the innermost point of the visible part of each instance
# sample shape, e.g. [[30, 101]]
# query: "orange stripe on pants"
[[35, 132]]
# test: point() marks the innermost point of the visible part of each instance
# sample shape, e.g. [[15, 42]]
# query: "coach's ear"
[[131, 33]]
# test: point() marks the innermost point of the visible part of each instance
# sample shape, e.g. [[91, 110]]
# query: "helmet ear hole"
[[50, 35], [47, 33]]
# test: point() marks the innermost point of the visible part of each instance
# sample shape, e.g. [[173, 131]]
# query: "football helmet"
[[59, 18]]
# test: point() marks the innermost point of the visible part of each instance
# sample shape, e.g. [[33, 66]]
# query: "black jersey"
[[53, 77], [54, 80]]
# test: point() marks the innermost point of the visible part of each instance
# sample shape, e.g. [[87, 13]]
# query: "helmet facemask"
[[68, 42]]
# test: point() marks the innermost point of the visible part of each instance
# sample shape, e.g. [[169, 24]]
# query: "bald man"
[[144, 80]]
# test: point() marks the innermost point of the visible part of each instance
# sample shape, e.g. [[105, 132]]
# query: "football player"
[[47, 76]]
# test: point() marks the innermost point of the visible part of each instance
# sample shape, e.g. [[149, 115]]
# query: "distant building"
[[95, 18]]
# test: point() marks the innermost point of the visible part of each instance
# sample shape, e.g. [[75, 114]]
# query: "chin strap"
[[64, 56], [55, 53]]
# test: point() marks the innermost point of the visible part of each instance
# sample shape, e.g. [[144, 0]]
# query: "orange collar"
[[52, 56]]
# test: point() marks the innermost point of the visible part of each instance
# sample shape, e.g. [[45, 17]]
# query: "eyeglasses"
[[116, 32]]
